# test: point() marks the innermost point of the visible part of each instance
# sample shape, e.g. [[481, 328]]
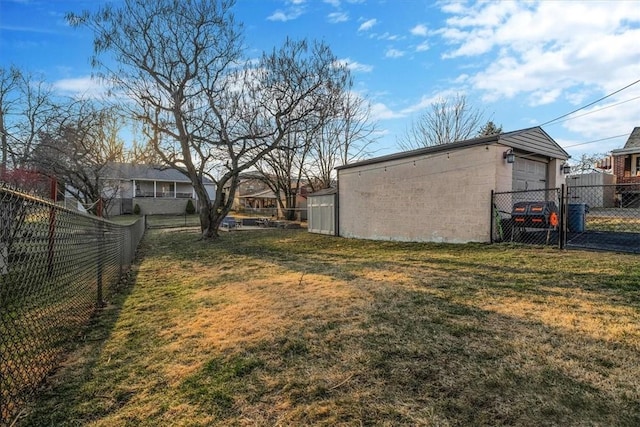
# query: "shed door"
[[320, 211], [529, 174]]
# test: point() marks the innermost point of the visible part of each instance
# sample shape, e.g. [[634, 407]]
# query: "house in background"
[[626, 160], [626, 168], [443, 193], [155, 190], [253, 195]]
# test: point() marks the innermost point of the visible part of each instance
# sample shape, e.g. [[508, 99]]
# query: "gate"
[[604, 217], [599, 217]]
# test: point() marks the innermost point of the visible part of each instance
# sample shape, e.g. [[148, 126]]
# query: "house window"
[[636, 165], [166, 189], [627, 166]]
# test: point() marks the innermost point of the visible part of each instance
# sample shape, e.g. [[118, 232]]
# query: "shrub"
[[190, 208], [136, 209]]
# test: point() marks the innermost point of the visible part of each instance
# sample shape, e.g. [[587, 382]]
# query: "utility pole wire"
[[590, 104], [597, 111], [597, 140]]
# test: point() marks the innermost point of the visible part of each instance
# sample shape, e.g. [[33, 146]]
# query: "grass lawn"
[[283, 327]]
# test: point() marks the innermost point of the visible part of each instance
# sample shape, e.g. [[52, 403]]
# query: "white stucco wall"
[[440, 197]]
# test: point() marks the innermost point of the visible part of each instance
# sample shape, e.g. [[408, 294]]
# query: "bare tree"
[[207, 112], [79, 150], [26, 108], [333, 137], [9, 79], [282, 170], [448, 120], [344, 136], [587, 163]]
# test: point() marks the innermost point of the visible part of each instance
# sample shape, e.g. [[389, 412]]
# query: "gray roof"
[[530, 140], [324, 192], [634, 139], [632, 145], [143, 172]]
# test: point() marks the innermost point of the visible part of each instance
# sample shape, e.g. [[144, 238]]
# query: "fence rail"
[[56, 267]]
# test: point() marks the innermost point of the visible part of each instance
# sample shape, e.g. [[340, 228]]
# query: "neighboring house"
[[443, 193], [254, 195], [626, 168], [626, 161], [155, 190]]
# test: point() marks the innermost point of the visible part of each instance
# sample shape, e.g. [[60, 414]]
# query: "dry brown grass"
[[283, 327]]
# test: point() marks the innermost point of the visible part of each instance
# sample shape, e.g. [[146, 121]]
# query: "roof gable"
[[534, 140], [634, 139], [632, 146]]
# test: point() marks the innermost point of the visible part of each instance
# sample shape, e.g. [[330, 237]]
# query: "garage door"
[[529, 174]]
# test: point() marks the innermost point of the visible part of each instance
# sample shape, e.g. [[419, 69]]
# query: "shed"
[[595, 189], [443, 193], [321, 209]]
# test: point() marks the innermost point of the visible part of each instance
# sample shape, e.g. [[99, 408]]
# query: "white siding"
[[321, 212]]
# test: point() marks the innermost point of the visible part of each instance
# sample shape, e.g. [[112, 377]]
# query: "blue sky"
[[521, 63]]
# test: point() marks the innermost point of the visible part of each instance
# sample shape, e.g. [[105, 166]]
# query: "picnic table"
[[229, 222]]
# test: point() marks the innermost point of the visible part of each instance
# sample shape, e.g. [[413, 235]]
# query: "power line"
[[598, 110], [597, 140], [591, 103]]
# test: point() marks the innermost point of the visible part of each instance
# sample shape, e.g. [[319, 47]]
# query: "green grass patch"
[[283, 327]]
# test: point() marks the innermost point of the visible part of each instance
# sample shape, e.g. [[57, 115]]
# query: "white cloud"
[[367, 25], [389, 36], [334, 3], [419, 30], [394, 53], [337, 17], [545, 51], [278, 15], [356, 66], [81, 87], [292, 13], [428, 101], [423, 47], [380, 111]]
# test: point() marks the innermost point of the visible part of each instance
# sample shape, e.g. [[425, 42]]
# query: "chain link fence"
[[604, 217], [56, 267], [530, 217], [600, 217]]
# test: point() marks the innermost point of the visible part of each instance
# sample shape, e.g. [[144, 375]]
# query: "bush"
[[136, 209], [190, 208]]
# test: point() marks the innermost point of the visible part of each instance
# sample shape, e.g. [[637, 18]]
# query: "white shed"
[[596, 189], [321, 208]]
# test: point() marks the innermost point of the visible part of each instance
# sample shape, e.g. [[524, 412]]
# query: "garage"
[[443, 193]]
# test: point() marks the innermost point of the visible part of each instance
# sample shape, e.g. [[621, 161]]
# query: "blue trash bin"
[[577, 217]]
